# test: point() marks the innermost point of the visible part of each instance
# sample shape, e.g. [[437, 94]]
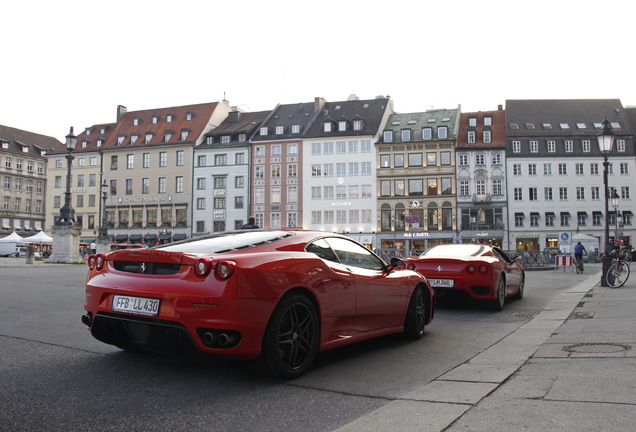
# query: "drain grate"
[[596, 348], [523, 315]]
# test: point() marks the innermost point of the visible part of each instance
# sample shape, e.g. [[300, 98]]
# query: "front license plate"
[[136, 305], [442, 283]]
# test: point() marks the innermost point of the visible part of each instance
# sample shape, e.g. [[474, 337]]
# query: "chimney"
[[121, 110], [234, 116], [500, 107], [319, 103]]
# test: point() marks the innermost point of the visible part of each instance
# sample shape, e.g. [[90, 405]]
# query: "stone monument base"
[[66, 243]]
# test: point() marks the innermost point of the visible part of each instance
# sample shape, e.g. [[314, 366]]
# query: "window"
[[415, 159], [480, 159], [463, 159], [534, 220], [445, 158], [292, 148], [563, 193], [580, 193], [431, 159], [487, 137], [275, 171], [279, 130], [595, 192], [471, 137], [547, 194], [145, 186], [585, 146], [341, 147], [113, 162], [315, 148], [388, 136], [145, 160], [295, 129], [625, 192], [563, 169], [239, 182], [406, 134], [276, 150], [516, 146], [202, 160], [180, 157], [178, 187], [398, 160], [620, 146], [472, 121], [353, 146], [487, 121], [497, 187], [292, 194], [163, 159], [219, 203], [594, 168], [532, 169], [200, 205], [129, 187], [161, 185], [315, 170], [518, 194], [341, 169], [342, 125], [551, 146], [442, 132], [130, 161], [327, 126], [427, 133], [516, 169], [565, 219], [292, 170], [400, 187], [464, 188], [569, 146], [549, 219], [220, 159], [238, 202], [357, 125], [534, 146], [547, 169], [239, 159], [341, 192], [259, 151], [416, 187], [579, 169], [532, 194], [263, 131]]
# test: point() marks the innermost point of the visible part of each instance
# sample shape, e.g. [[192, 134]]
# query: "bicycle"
[[618, 273], [578, 262]]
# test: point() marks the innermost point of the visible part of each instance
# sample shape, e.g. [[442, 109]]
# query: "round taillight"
[[410, 266], [100, 260], [471, 269], [225, 269], [483, 269], [202, 267], [91, 262]]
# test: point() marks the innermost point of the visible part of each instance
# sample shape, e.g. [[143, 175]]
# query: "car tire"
[[415, 321], [522, 284], [290, 341], [500, 300]]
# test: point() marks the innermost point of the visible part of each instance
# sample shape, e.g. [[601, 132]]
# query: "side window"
[[352, 254], [322, 249], [501, 254]]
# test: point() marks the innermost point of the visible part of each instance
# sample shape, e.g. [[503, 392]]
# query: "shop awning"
[[549, 214], [627, 213], [165, 236], [520, 215], [177, 237], [150, 237], [565, 213], [537, 214], [581, 213], [120, 238], [134, 237], [597, 213]]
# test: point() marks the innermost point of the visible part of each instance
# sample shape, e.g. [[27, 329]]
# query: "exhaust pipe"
[[225, 339], [208, 338], [86, 320]]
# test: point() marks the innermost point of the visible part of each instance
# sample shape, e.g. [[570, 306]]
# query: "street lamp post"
[[67, 213], [103, 229], [605, 137], [615, 201]]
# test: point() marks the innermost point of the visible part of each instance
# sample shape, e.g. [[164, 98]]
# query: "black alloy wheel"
[[290, 342], [415, 321]]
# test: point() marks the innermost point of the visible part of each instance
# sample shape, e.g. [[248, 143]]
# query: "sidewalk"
[[571, 368]]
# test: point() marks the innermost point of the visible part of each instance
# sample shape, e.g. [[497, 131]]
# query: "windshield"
[[454, 251], [226, 242]]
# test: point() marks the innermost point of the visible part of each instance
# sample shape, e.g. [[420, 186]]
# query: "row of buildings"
[[525, 177]]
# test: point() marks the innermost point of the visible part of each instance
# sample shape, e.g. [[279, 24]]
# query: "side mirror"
[[396, 262]]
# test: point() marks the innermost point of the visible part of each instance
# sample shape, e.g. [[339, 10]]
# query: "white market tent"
[[40, 237], [8, 244], [590, 243]]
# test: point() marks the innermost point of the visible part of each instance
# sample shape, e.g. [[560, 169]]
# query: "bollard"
[[30, 254]]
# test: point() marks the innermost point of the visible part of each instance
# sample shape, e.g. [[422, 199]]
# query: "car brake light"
[[100, 260], [202, 267], [91, 262], [225, 269], [410, 266], [483, 269], [471, 269]]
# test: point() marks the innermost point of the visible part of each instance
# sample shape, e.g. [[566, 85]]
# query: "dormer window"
[[225, 139], [326, 126], [155, 119], [209, 140], [295, 129], [406, 134], [167, 135], [242, 137], [388, 136], [134, 138], [120, 139], [100, 142], [471, 137], [149, 136], [102, 130], [472, 121], [342, 125], [88, 131], [487, 121], [169, 118], [85, 143], [189, 116], [263, 131], [442, 132], [357, 125], [25, 149], [184, 134], [279, 130], [427, 133], [135, 122]]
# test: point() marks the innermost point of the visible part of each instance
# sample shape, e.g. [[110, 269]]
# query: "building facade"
[[23, 170], [339, 170], [555, 171], [221, 187], [416, 180], [481, 178]]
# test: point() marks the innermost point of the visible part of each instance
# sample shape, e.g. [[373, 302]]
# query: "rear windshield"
[[454, 251], [226, 242]]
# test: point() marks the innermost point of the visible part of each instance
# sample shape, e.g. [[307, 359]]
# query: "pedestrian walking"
[[93, 247]]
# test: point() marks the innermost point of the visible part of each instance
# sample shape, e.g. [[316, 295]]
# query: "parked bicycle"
[[618, 273]]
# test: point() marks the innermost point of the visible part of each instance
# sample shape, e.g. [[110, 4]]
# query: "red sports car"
[[276, 296], [481, 271]]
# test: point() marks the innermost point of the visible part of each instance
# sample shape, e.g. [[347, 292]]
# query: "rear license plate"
[[136, 305], [442, 283]]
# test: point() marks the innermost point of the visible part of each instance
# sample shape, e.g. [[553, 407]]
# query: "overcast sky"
[[70, 63]]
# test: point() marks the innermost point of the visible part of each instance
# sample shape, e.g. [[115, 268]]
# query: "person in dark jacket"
[[251, 223]]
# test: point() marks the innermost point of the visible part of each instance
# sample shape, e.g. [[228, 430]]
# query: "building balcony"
[[481, 198]]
